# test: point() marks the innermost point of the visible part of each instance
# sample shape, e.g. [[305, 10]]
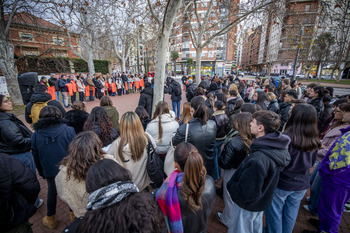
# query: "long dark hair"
[[161, 108], [241, 123], [261, 99], [135, 213], [142, 113], [302, 128], [191, 163], [200, 109], [98, 116]]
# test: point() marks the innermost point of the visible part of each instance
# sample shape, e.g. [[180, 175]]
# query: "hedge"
[[48, 65]]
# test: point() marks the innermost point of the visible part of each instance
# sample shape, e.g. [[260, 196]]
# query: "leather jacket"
[[233, 153], [197, 222], [222, 124], [15, 137]]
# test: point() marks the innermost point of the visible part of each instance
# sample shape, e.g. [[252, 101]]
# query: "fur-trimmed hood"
[[48, 122]]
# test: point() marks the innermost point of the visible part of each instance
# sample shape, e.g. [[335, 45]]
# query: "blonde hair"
[[133, 134], [270, 96]]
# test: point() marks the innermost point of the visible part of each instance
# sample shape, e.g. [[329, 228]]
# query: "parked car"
[[326, 77], [302, 76]]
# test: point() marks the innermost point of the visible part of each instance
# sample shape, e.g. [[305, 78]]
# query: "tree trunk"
[[123, 64], [91, 62], [340, 72], [162, 48], [8, 67], [198, 65]]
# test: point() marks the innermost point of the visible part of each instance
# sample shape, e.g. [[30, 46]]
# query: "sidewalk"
[[129, 103]]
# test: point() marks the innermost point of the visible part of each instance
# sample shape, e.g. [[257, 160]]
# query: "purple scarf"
[[169, 202]]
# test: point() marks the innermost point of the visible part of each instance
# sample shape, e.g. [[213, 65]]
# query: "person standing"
[[294, 179], [64, 90], [81, 88], [175, 91], [53, 82], [49, 146], [91, 85], [146, 98], [190, 90], [252, 185]]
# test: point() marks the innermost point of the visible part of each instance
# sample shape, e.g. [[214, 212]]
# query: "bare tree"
[[8, 10], [89, 18]]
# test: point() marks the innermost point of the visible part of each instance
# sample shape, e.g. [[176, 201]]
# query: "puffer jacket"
[[273, 106], [19, 190], [197, 222], [41, 97], [169, 126], [146, 99], [15, 137], [233, 153], [202, 137], [222, 124], [171, 91], [50, 143]]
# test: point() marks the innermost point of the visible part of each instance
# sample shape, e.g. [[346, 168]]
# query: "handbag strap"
[[149, 145], [186, 132]]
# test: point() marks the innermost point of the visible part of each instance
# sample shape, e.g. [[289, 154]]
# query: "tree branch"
[[153, 14]]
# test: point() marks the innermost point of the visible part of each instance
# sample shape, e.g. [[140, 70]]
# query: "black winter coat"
[[114, 134], [190, 92], [53, 82], [15, 137], [50, 143], [146, 99], [202, 137], [171, 91], [318, 104], [41, 97], [233, 153], [284, 113], [19, 189], [222, 124], [62, 85], [273, 106], [255, 180], [76, 119], [197, 222]]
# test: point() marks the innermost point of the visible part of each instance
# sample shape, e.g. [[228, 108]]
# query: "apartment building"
[[251, 49]]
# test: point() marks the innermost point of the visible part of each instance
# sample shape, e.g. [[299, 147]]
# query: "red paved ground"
[[129, 103]]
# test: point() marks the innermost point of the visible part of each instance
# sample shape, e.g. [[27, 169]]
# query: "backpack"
[[35, 111], [177, 89]]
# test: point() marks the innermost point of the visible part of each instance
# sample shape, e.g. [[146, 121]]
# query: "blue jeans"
[[244, 221], [91, 97], [57, 95], [176, 105], [217, 151], [281, 216]]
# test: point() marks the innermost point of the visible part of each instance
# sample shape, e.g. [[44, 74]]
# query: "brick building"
[[32, 35], [282, 36], [219, 55], [250, 50]]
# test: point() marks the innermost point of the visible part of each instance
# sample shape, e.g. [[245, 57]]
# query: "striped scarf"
[[168, 202]]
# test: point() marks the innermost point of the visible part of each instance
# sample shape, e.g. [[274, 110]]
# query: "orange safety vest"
[[74, 85], [87, 91], [93, 89], [106, 84], [51, 91], [142, 82], [137, 84], [126, 86], [70, 88], [114, 87]]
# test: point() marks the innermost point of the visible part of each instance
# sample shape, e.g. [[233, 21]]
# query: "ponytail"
[[193, 183], [201, 110], [160, 129]]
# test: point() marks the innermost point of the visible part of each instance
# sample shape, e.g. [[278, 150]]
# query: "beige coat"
[[137, 168], [72, 191]]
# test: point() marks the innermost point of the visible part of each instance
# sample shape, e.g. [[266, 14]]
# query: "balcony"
[[185, 49]]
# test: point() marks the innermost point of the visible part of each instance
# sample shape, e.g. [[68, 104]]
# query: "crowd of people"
[[261, 138]]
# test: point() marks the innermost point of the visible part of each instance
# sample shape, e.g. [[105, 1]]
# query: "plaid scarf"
[[169, 202], [110, 194]]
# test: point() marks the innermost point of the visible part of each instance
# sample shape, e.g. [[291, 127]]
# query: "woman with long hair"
[[77, 116], [50, 143], [273, 103], [187, 196], [83, 152], [329, 138], [162, 128], [294, 179], [260, 99], [99, 122], [144, 116], [186, 113], [234, 152], [130, 149], [112, 112], [201, 132], [115, 203]]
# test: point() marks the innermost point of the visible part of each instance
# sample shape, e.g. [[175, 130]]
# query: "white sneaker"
[[41, 201]]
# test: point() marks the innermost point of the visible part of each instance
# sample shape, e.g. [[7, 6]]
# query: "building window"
[[211, 54], [202, 15], [307, 8], [58, 40], [213, 14], [204, 4], [26, 36], [306, 20]]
